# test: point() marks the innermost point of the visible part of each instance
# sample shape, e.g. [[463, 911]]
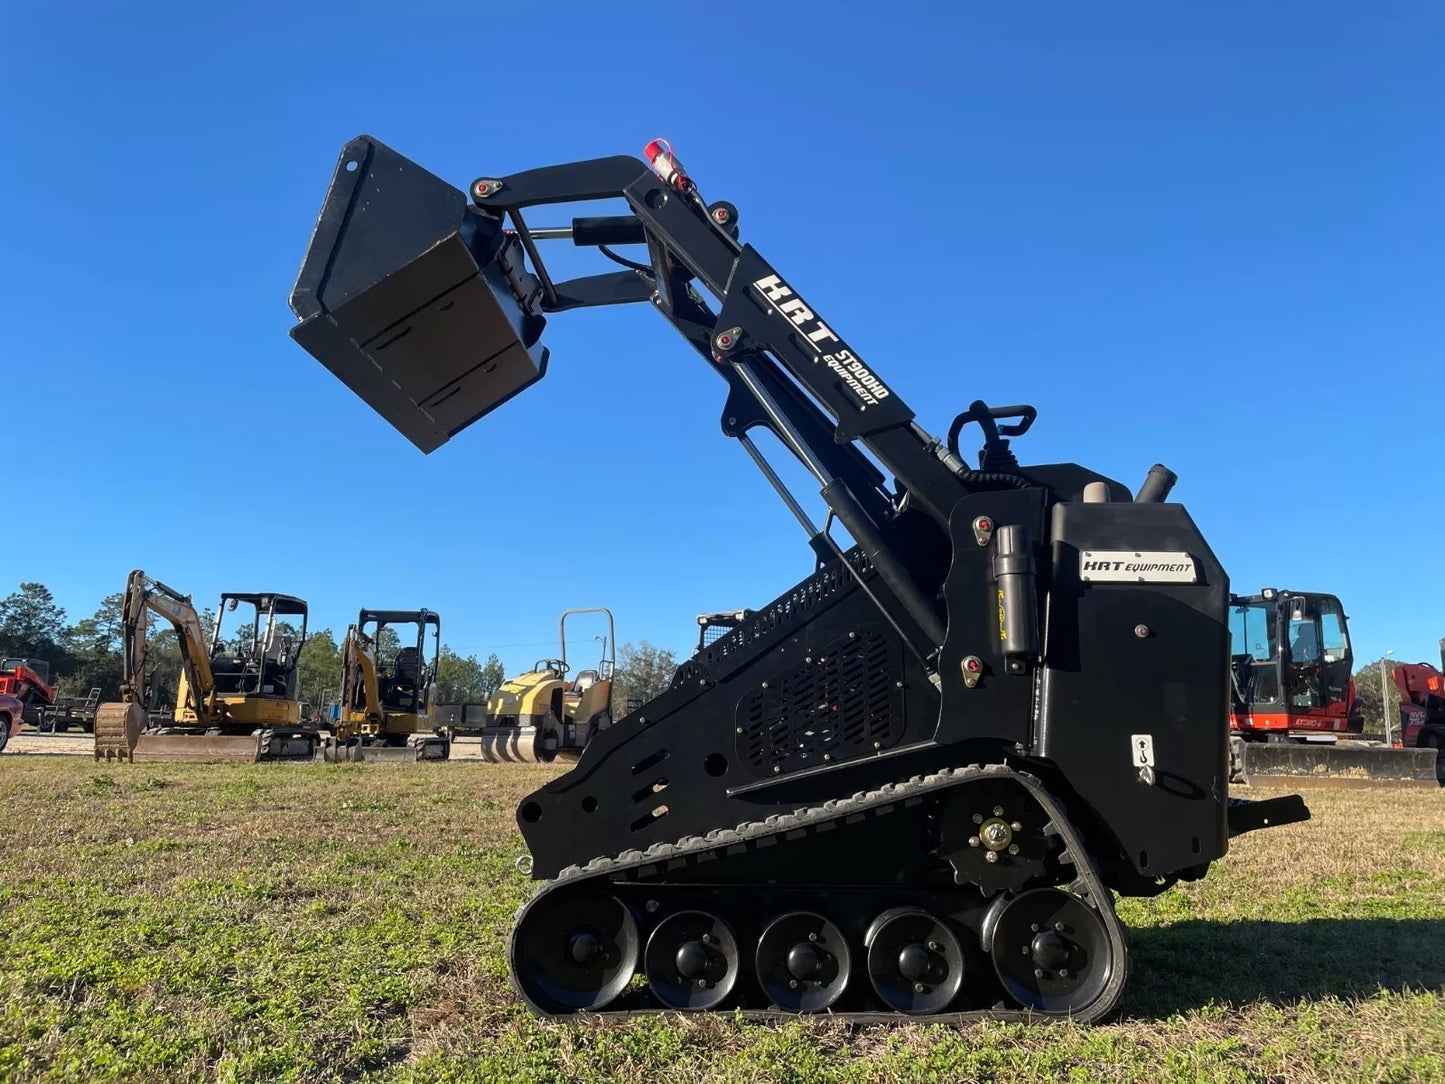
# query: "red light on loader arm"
[[666, 166]]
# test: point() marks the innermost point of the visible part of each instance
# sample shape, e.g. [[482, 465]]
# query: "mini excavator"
[[907, 787], [235, 701], [386, 701]]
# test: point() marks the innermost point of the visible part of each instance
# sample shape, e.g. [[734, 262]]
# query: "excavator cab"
[[1292, 667], [261, 655]]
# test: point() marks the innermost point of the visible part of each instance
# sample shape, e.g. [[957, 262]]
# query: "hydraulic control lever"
[[995, 455]]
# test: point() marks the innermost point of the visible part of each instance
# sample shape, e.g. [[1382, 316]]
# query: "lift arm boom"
[[423, 303]]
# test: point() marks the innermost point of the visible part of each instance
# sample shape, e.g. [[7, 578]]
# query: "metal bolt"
[[812, 937], [740, 730], [1026, 950], [652, 906], [777, 769], [1013, 848], [1038, 972], [898, 684], [877, 745], [996, 834], [1059, 927], [765, 685], [978, 818], [1141, 631], [808, 658], [1033, 927], [998, 811], [973, 841], [1016, 826], [707, 939], [792, 984], [990, 856], [918, 987], [702, 984], [1063, 972], [934, 946], [721, 214], [827, 756]]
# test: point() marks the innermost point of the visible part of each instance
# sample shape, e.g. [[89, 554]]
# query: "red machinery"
[[27, 680], [1422, 707], [1292, 668]]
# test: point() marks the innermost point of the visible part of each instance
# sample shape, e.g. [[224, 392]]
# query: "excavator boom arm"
[[144, 595]]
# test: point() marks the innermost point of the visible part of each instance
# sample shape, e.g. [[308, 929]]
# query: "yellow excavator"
[[388, 687], [237, 698], [539, 715]]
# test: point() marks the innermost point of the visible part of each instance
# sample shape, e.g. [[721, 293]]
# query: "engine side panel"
[[1147, 659]]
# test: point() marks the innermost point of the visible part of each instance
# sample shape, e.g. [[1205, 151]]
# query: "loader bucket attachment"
[[417, 301]]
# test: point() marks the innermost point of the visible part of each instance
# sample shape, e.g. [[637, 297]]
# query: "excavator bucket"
[[198, 748], [117, 729], [409, 295]]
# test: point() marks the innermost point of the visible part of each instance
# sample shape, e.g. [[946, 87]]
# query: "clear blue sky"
[[1207, 235]]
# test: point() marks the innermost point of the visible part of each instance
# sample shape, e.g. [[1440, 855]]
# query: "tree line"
[[86, 654]]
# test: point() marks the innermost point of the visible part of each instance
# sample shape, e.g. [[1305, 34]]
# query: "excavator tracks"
[[681, 926]]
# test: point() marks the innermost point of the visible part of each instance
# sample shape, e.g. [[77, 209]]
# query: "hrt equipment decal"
[[1137, 566], [866, 387]]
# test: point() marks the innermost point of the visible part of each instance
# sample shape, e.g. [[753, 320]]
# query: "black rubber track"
[[661, 857]]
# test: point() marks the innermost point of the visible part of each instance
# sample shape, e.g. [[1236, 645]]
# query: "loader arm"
[[142, 595], [457, 333]]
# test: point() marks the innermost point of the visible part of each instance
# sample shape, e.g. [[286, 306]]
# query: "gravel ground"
[[33, 743]]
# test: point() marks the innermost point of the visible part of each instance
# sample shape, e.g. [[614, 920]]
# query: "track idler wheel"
[[691, 960], [1051, 951], [575, 952], [803, 962], [915, 962]]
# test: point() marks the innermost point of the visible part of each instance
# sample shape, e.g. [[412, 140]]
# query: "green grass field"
[[346, 922]]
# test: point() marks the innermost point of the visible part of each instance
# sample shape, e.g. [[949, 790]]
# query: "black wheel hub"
[[1051, 951], [575, 951], [803, 962], [915, 961], [691, 960]]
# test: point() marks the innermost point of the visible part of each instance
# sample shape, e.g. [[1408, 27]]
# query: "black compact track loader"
[[908, 786]]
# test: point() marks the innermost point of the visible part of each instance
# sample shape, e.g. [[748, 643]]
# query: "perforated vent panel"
[[843, 703]]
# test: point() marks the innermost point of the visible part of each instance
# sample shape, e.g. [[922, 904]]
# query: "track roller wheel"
[[803, 962], [914, 961], [691, 960], [575, 952], [1051, 951]]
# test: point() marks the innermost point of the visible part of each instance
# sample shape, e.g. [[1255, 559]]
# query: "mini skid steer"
[[908, 786]]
